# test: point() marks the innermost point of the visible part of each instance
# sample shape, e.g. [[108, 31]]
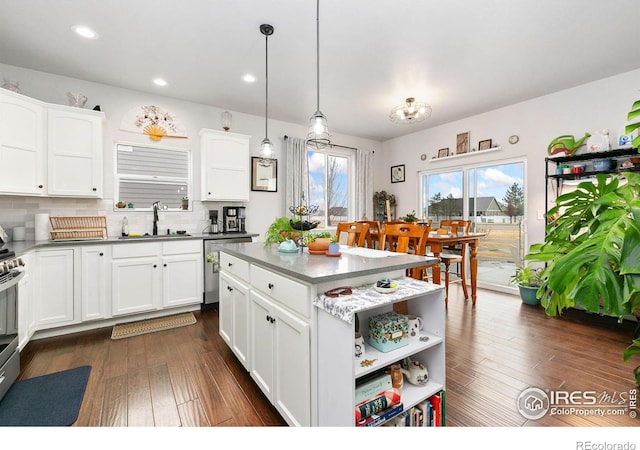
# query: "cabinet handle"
[[154, 266], [270, 285], [209, 193], [268, 318], [40, 186], [94, 189], [272, 319], [229, 288], [101, 254], [165, 264], [230, 264]]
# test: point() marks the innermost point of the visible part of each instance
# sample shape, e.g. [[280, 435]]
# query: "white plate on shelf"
[[385, 290]]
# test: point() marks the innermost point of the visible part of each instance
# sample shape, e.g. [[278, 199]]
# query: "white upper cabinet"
[[22, 146], [225, 166], [48, 149], [74, 152]]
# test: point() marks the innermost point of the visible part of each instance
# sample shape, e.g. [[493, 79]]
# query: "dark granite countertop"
[[315, 269]]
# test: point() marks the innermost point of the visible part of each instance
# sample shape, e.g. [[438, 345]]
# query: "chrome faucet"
[[155, 217]]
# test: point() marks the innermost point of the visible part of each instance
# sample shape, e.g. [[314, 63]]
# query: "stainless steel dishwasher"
[[211, 267]]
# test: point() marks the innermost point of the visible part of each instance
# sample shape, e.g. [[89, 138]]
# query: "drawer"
[[181, 247], [290, 293], [235, 266], [9, 373], [136, 250]]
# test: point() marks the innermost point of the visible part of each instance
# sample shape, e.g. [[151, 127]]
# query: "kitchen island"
[[298, 343]]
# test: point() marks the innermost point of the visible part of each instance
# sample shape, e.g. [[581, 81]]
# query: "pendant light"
[[318, 136], [266, 147]]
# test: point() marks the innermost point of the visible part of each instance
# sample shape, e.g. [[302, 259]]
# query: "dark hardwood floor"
[[188, 377]]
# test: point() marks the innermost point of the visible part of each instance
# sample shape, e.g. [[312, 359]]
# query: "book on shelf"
[[373, 386], [436, 402], [379, 418]]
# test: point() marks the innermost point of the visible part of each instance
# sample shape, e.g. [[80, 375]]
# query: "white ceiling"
[[463, 57]]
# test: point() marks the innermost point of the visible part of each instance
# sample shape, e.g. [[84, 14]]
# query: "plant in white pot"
[[528, 281]]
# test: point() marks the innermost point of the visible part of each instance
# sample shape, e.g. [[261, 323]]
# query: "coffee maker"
[[214, 228], [233, 219]]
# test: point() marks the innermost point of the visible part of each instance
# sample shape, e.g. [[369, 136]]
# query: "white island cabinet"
[[302, 348]]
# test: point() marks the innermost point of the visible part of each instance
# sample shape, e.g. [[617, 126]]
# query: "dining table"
[[436, 242]]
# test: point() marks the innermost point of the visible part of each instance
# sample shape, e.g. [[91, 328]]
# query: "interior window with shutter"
[[146, 174]]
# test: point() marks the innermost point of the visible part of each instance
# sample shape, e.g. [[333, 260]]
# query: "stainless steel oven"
[[211, 265], [11, 272]]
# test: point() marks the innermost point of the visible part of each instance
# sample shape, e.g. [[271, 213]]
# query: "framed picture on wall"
[[484, 145], [443, 152], [397, 174], [264, 174], [462, 143]]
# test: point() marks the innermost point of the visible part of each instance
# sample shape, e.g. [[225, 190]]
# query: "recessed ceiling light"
[[249, 78], [84, 31], [159, 82]]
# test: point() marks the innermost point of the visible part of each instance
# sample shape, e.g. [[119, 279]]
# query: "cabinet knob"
[[40, 186], [270, 285], [272, 319], [230, 264], [94, 189], [229, 288], [165, 264], [268, 318], [155, 265], [209, 193], [101, 254]]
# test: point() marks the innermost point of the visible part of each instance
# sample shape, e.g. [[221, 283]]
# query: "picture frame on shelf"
[[443, 152], [264, 174], [484, 145], [462, 143], [397, 174]]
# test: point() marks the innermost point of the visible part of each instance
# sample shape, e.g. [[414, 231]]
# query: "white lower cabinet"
[[280, 358], [234, 316], [55, 281], [136, 278], [95, 283], [181, 273]]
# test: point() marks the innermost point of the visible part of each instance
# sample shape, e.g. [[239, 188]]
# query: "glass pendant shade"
[[318, 136], [266, 149], [226, 120]]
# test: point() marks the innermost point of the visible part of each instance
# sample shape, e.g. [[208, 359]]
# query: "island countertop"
[[315, 269]]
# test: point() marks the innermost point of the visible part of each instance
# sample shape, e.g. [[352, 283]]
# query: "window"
[[332, 185], [147, 174], [492, 197]]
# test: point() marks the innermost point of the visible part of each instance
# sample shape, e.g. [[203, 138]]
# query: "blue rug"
[[47, 401]]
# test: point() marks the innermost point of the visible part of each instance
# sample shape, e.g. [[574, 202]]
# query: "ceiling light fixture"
[[159, 82], [410, 112], [266, 147], [84, 31], [318, 136]]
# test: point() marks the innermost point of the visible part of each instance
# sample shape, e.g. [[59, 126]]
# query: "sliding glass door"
[[492, 197]]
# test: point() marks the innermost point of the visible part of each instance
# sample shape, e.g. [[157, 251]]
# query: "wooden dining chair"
[[372, 234], [455, 254], [356, 233], [405, 238]]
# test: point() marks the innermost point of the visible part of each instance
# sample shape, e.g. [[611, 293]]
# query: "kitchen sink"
[[150, 236]]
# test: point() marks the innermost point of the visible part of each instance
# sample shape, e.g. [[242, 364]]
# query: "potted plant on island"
[[317, 243], [279, 231], [528, 281], [591, 252]]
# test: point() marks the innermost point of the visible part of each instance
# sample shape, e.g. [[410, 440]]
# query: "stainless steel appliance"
[[211, 268], [233, 219], [11, 272]]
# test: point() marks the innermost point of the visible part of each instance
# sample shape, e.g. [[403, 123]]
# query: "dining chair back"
[[455, 254], [373, 233], [403, 237], [356, 233]]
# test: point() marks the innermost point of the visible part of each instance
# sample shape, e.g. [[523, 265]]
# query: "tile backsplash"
[[19, 211]]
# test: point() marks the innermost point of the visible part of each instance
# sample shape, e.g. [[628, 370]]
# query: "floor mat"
[[47, 401], [150, 325]]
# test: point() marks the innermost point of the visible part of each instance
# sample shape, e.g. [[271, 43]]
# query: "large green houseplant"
[[592, 250]]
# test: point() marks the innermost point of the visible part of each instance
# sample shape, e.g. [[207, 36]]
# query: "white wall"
[[603, 104], [262, 208]]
